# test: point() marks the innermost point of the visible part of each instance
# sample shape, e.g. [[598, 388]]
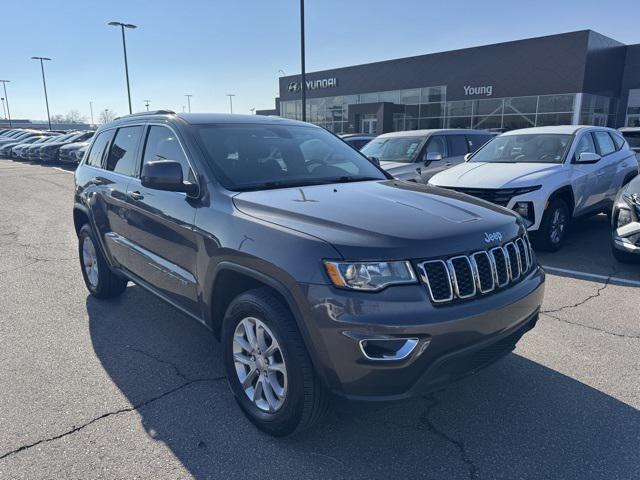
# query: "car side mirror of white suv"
[[588, 157]]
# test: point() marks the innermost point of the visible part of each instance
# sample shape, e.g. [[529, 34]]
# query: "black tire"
[[548, 237], [107, 284], [306, 400]]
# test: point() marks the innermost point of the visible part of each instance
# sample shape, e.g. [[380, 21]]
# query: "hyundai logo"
[[492, 237], [293, 87]]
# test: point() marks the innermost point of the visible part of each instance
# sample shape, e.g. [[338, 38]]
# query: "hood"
[[383, 219], [494, 175]]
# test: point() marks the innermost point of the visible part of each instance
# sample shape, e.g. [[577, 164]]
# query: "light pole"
[[189, 101], [252, 110], [146, 104], [302, 67], [231, 95], [4, 110], [124, 47], [44, 83], [6, 99], [91, 110]]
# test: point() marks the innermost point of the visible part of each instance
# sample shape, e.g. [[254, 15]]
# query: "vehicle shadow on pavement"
[[588, 250], [516, 419]]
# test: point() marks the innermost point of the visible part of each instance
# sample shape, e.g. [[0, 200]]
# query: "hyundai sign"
[[332, 82]]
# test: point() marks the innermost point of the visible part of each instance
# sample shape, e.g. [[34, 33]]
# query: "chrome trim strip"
[[527, 261], [454, 277], [425, 279]]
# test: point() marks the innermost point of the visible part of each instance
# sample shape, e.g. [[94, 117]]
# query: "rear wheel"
[[268, 367], [554, 226], [98, 277]]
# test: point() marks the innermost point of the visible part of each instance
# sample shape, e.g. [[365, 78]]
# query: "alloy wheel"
[[90, 261], [259, 364], [558, 225]]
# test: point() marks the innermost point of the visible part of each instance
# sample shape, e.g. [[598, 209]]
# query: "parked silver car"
[[417, 155]]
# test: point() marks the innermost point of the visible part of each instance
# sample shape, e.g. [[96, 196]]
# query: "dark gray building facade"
[[572, 78]]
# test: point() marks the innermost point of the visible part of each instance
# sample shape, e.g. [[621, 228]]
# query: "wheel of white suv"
[[98, 277], [268, 367], [554, 226]]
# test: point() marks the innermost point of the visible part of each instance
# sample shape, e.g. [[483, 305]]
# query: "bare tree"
[[74, 116], [106, 116], [57, 118]]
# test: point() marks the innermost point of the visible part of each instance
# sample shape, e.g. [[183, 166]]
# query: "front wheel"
[[554, 226], [268, 367]]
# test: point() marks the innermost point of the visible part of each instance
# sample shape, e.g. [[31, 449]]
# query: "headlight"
[[624, 217], [369, 276]]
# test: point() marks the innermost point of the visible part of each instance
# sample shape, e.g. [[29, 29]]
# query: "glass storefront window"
[[555, 103], [459, 108], [432, 110], [554, 119], [392, 96], [488, 107], [410, 97], [519, 105], [368, 98], [429, 123], [458, 122], [513, 122], [493, 121], [433, 94]]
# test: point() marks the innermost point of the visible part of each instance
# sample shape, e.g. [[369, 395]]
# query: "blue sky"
[[211, 48]]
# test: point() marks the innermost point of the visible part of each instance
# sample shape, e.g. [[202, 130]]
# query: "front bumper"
[[453, 340]]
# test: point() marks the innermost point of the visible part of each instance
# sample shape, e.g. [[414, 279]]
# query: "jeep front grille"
[[466, 276]]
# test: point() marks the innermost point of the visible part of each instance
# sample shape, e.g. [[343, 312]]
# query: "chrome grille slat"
[[480, 273]]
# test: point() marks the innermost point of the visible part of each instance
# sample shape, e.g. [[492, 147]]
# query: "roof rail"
[[152, 112]]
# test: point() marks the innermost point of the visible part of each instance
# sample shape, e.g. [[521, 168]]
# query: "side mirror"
[[166, 175], [588, 157], [433, 157], [467, 157], [375, 161]]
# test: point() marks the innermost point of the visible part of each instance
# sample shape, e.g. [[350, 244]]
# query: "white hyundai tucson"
[[549, 175]]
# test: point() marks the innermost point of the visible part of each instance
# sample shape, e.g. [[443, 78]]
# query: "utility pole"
[[189, 101], [231, 95], [124, 48], [44, 82], [91, 110], [302, 62], [6, 98]]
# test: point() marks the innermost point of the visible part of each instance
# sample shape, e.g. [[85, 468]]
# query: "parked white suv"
[[549, 175]]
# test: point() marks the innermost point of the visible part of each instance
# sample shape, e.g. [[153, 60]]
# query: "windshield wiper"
[[272, 185]]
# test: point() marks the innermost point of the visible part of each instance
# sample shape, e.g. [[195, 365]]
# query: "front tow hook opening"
[[389, 349]]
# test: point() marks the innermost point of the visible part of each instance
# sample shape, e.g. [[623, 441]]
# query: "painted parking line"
[[592, 276], [63, 170]]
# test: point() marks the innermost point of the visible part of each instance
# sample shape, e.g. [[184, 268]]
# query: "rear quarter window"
[[96, 154]]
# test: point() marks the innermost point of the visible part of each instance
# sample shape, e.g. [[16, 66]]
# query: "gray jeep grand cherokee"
[[320, 273]]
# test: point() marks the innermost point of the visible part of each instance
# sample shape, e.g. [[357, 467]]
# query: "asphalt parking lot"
[[132, 388]]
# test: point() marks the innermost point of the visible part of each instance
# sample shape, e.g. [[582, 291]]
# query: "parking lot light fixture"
[[146, 104], [124, 48], [44, 83], [231, 95], [6, 99]]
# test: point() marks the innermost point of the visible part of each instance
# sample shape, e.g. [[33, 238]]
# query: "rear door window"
[[122, 154], [604, 142], [96, 155], [618, 140], [457, 145]]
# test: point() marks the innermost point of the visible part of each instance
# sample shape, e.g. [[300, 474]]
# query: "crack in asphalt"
[[427, 423], [599, 291], [602, 330], [186, 382]]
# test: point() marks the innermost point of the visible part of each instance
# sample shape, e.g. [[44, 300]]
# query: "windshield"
[[632, 138], [258, 157], [394, 149], [525, 148]]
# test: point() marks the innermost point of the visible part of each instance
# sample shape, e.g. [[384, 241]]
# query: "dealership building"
[[572, 78]]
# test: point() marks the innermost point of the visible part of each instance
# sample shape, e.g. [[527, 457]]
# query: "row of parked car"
[[549, 175], [44, 146]]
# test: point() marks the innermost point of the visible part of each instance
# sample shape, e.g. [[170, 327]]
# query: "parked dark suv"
[[319, 272]]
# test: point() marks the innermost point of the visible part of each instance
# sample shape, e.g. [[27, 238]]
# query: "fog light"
[[388, 349], [624, 217], [525, 210]]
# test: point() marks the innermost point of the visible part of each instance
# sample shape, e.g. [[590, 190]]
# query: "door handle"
[[136, 195], [97, 181]]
